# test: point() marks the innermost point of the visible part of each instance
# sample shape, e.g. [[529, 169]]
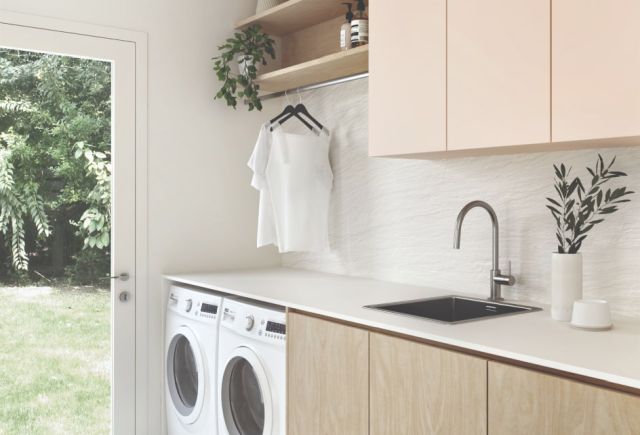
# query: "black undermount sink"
[[453, 309]]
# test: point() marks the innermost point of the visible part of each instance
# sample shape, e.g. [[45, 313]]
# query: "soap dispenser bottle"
[[345, 30], [360, 26]]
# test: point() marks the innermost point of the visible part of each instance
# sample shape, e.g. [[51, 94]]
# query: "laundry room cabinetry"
[[347, 379], [525, 401], [498, 68], [421, 389], [344, 379], [407, 77], [327, 377], [596, 69], [474, 78]]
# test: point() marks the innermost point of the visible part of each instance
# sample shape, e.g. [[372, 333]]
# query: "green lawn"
[[54, 361]]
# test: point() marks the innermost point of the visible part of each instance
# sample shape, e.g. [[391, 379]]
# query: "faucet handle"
[[505, 279]]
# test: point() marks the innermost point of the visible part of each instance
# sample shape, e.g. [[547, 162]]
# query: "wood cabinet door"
[[407, 77], [523, 401], [498, 73], [596, 69], [419, 389], [328, 377]]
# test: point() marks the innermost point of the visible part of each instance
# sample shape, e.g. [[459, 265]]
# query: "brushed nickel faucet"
[[496, 279]]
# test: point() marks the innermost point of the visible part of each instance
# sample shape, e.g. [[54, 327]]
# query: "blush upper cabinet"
[[596, 69], [461, 77], [498, 73], [407, 77]]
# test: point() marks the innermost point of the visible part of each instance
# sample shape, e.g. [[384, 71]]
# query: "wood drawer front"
[[523, 401], [328, 377], [420, 389]]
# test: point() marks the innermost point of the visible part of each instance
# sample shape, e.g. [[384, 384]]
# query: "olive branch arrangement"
[[578, 209], [248, 47]]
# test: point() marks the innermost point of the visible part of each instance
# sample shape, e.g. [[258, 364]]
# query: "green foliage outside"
[[55, 170]]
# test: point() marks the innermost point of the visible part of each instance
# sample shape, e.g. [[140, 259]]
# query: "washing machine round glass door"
[[185, 375], [245, 395]]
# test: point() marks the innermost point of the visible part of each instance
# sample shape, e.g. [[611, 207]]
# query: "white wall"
[[202, 212], [393, 219]]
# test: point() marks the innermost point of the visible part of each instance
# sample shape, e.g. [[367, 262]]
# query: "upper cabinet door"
[[407, 82], [499, 73], [596, 69]]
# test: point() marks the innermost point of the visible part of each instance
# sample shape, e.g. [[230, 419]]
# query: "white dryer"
[[251, 369], [191, 346]]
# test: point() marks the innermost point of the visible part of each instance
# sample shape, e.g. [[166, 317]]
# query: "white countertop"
[[612, 356]]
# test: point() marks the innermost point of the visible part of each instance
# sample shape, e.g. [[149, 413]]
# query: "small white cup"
[[591, 314]]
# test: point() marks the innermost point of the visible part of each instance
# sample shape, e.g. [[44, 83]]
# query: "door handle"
[[122, 277]]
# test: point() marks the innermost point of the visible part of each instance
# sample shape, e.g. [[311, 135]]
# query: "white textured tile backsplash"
[[393, 219]]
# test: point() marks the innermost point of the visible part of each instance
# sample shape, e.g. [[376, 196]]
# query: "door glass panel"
[[185, 372], [245, 398]]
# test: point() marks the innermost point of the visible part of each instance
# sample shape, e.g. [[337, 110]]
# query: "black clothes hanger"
[[287, 111], [299, 109], [287, 114]]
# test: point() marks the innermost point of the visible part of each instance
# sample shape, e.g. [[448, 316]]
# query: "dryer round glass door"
[[245, 396], [185, 375]]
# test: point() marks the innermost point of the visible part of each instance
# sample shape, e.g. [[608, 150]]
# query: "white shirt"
[[294, 177]]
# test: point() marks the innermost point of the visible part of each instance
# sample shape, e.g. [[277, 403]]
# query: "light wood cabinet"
[[523, 401], [596, 69], [407, 77], [419, 389], [348, 380], [498, 73], [328, 377]]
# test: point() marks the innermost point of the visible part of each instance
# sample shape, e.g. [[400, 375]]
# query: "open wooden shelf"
[[294, 15], [330, 67]]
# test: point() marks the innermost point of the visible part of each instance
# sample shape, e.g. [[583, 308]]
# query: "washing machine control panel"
[[195, 305], [255, 322]]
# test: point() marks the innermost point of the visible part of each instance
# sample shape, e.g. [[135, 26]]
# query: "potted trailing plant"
[[577, 210], [249, 48]]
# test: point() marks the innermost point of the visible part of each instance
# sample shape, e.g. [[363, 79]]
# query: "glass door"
[[121, 183]]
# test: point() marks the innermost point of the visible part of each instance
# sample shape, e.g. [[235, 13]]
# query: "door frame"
[[139, 39]]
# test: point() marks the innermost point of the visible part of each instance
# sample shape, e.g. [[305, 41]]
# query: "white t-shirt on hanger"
[[294, 177]]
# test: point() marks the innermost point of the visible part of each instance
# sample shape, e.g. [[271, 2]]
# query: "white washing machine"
[[251, 369], [191, 346]]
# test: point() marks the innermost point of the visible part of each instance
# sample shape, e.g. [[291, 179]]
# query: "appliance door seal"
[[245, 394], [185, 375]]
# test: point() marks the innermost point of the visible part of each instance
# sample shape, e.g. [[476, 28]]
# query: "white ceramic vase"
[[263, 5], [566, 284]]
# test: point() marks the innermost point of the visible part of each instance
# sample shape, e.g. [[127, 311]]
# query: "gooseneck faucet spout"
[[497, 279]]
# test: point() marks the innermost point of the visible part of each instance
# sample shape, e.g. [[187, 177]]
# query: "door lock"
[[124, 296]]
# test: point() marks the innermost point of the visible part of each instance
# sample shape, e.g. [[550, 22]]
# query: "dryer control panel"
[[258, 322], [194, 304]]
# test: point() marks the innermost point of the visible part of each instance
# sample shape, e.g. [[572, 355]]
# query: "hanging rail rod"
[[316, 86]]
